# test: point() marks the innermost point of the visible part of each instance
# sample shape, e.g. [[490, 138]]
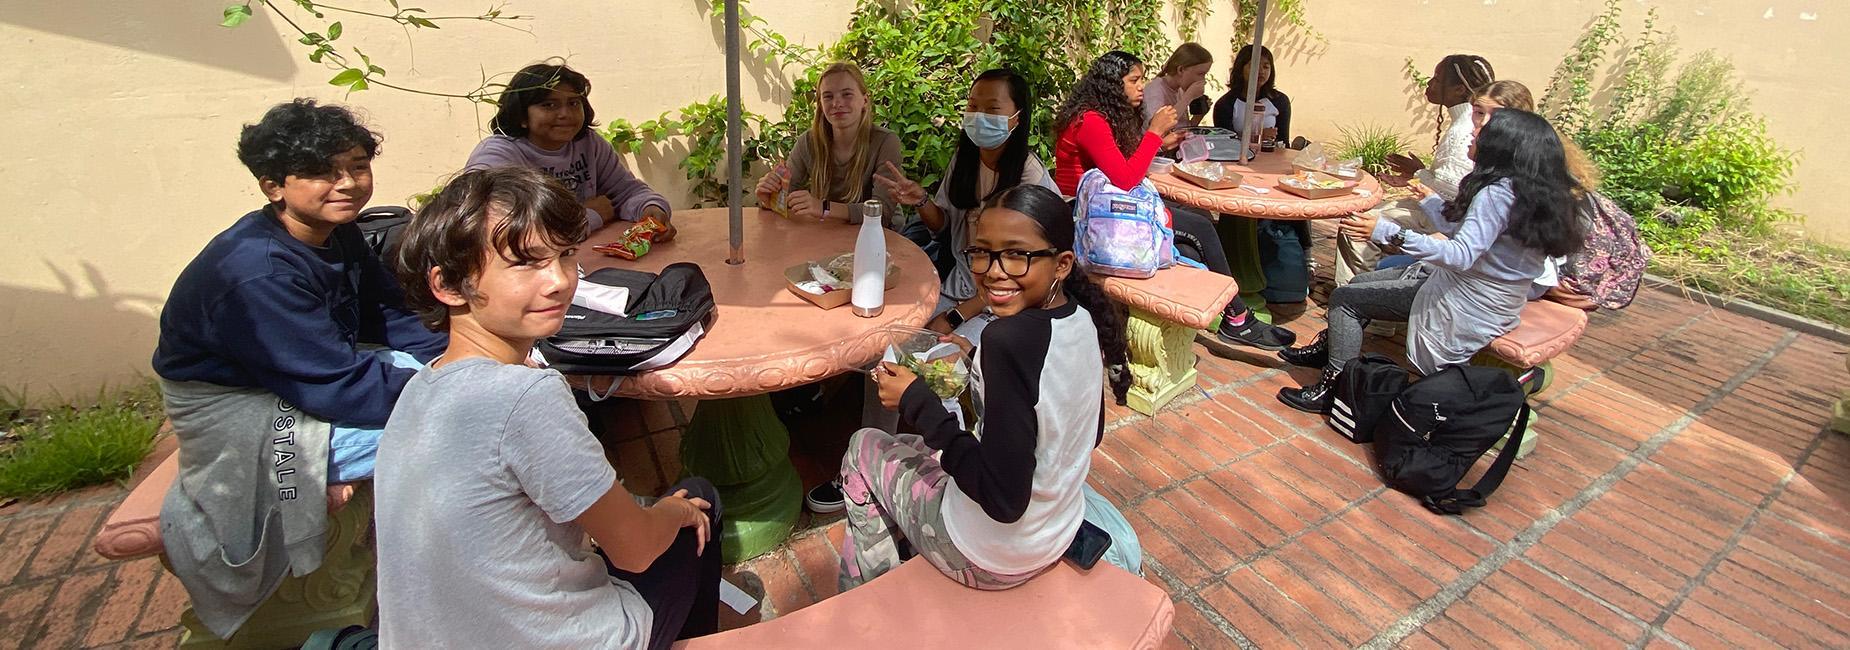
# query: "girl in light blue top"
[[1514, 210]]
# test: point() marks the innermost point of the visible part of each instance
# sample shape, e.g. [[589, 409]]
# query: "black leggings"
[[1196, 237], [681, 586]]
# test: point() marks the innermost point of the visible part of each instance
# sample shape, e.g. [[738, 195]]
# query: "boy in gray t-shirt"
[[488, 479]]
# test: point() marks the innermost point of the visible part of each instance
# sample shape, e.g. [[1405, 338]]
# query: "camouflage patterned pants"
[[895, 489]]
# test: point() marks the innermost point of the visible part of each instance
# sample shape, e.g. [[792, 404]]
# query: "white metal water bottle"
[[869, 296]]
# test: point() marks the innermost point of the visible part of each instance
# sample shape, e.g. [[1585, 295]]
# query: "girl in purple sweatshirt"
[[545, 122]]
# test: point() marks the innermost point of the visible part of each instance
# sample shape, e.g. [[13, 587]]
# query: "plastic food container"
[[942, 365], [1161, 165]]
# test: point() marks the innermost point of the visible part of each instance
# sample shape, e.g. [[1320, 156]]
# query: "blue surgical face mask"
[[986, 130]]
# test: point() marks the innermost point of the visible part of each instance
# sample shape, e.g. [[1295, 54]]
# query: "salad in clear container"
[[942, 365]]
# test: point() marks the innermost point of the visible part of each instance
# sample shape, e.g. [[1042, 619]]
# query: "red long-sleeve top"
[[1088, 143]]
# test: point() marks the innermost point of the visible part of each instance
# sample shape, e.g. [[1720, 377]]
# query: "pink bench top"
[[1178, 294], [916, 606], [1547, 329], [133, 529]]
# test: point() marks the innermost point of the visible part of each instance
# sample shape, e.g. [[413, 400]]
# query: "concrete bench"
[[916, 606], [1165, 313], [338, 594], [1547, 329]]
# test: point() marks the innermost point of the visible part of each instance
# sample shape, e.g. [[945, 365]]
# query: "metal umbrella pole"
[[1252, 80], [735, 216]]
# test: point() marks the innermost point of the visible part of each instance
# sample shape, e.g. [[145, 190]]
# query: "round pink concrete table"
[[762, 339], [1239, 234]]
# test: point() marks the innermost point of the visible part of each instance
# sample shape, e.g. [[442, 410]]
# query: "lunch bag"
[[624, 322], [1611, 266], [1123, 233]]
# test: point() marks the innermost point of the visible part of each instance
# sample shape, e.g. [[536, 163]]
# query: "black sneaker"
[[826, 498], [1258, 334]]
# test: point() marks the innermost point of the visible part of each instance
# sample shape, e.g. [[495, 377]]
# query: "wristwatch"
[[954, 317]]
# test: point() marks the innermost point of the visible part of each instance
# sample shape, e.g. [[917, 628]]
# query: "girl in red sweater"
[[1100, 127]]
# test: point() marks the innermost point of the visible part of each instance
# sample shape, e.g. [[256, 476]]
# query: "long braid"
[[1111, 334]]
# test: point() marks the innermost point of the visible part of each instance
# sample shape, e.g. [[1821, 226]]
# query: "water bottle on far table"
[[869, 297]]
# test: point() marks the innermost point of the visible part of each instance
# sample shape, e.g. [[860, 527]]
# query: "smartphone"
[[1089, 544]]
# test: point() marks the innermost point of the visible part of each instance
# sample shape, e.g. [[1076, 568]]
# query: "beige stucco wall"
[[123, 116], [1790, 54]]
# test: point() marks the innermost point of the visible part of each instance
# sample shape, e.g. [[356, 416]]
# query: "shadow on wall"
[[66, 344], [186, 31], [772, 82]]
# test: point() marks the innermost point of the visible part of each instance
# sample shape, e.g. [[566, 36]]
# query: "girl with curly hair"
[[1100, 127]]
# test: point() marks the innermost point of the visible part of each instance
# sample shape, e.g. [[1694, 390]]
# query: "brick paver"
[[1685, 493]]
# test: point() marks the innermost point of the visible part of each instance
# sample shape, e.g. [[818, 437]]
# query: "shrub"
[[1372, 143]]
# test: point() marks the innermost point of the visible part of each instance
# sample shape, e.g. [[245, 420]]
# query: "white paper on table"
[[735, 597]]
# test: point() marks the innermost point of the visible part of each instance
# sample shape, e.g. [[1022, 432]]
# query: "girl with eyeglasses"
[[995, 506]]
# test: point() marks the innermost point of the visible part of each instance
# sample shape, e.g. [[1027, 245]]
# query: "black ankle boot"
[[1315, 355], [1314, 398]]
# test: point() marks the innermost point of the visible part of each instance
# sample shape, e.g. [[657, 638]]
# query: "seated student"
[[1512, 94], [263, 361], [489, 479], [1513, 211], [992, 156], [1230, 110], [1099, 127], [994, 507], [1182, 86], [1283, 244], [1455, 80], [830, 171], [544, 121]]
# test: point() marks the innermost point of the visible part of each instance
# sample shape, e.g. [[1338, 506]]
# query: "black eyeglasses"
[[1015, 262]]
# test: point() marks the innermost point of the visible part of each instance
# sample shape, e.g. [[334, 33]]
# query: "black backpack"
[[664, 315], [1365, 388], [382, 227], [1439, 426]]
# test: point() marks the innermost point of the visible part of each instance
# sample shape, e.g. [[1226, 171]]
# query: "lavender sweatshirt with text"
[[587, 166]]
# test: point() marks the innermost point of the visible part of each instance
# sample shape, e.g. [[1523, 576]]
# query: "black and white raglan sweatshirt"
[[1015, 499]]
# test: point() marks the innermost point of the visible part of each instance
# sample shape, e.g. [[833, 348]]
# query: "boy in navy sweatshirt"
[[284, 299]]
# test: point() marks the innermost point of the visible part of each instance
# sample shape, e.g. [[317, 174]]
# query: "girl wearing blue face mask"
[[992, 156]]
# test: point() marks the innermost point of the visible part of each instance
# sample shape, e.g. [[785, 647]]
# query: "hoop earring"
[[1052, 291]]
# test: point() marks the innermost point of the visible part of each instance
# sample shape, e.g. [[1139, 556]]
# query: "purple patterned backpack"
[[1121, 233], [1609, 269]]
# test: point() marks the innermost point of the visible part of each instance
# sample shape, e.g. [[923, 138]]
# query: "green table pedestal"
[[1239, 237], [1162, 361], [741, 447]]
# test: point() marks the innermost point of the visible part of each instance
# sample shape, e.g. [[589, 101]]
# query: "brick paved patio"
[[1685, 493]]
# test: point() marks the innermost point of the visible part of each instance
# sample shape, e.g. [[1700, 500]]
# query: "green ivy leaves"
[[236, 15]]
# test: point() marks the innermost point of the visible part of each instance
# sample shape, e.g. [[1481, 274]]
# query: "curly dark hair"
[[1522, 147], [1102, 91], [301, 138], [453, 232], [1055, 219], [532, 85]]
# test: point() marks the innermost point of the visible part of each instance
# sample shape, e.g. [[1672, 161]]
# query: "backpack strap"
[[1456, 501]]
